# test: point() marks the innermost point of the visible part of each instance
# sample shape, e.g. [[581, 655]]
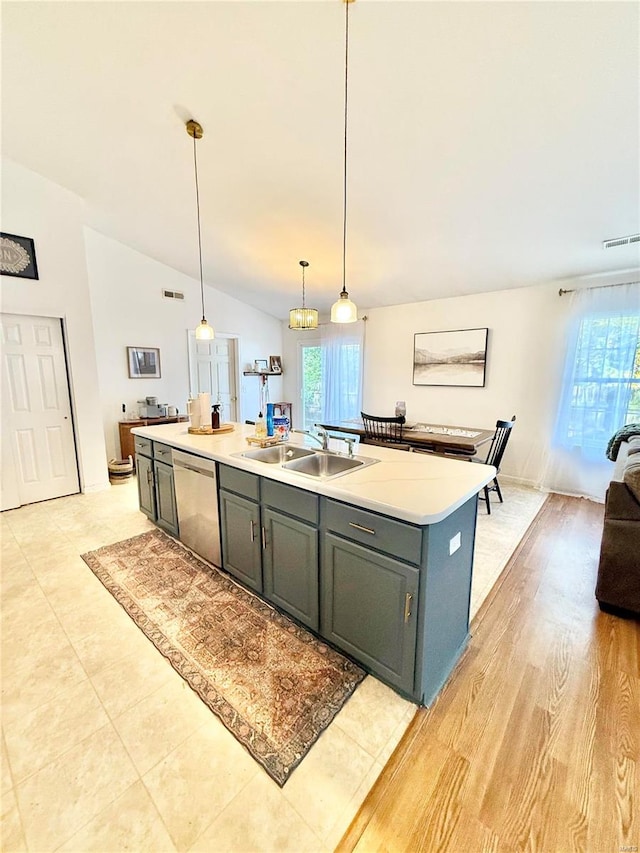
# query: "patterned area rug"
[[274, 685]]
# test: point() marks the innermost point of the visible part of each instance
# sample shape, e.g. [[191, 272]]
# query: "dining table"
[[462, 441]]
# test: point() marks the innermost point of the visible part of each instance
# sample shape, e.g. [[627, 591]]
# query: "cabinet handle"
[[252, 526], [264, 538], [407, 606], [360, 527]]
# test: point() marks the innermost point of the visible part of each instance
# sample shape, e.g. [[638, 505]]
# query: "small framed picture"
[[275, 364], [260, 365], [17, 256], [144, 362]]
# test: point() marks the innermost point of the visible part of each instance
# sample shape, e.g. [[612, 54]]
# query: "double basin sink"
[[320, 464]]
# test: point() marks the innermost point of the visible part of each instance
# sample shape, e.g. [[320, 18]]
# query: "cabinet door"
[[290, 566], [369, 609], [146, 490], [167, 515], [240, 528]]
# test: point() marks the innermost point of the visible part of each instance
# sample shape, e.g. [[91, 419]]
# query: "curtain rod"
[[365, 318], [561, 292]]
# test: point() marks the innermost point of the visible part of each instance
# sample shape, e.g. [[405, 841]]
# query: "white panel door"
[[213, 370], [37, 430]]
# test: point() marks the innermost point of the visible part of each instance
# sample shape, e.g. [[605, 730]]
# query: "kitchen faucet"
[[322, 438]]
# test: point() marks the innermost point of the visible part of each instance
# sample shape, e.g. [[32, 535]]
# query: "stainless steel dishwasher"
[[197, 504]]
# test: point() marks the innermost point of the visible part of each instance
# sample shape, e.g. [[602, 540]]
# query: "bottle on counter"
[[270, 407], [215, 416], [261, 427]]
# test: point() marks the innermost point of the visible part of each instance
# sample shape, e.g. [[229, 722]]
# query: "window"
[[603, 391], [331, 375], [311, 373]]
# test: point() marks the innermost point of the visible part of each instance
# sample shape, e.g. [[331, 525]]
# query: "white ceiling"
[[491, 145]]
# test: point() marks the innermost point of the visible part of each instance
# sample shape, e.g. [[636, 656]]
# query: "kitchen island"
[[377, 561]]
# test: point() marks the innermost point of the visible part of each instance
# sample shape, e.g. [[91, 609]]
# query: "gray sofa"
[[618, 585]]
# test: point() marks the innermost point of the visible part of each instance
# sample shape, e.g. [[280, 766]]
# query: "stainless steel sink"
[[326, 465], [277, 454]]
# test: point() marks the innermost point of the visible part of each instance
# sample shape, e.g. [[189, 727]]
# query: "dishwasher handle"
[[189, 462], [203, 471]]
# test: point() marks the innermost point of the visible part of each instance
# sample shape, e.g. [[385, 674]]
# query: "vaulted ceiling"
[[491, 144]]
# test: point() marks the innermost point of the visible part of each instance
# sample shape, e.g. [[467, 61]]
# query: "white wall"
[[524, 367], [129, 310], [53, 217]]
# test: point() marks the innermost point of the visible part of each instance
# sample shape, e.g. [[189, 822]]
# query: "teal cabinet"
[[369, 609], [241, 538], [290, 566], [270, 540], [396, 595], [166, 512], [146, 490], [156, 488]]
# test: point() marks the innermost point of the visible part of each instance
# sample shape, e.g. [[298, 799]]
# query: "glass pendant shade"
[[344, 310], [204, 332], [303, 318]]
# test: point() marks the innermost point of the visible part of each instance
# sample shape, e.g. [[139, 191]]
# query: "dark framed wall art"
[[144, 362], [450, 358], [17, 256]]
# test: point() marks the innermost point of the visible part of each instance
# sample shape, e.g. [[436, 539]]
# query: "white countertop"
[[415, 487]]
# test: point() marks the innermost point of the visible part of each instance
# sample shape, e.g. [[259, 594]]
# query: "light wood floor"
[[534, 744]]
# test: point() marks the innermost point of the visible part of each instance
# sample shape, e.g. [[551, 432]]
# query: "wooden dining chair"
[[494, 457], [378, 430]]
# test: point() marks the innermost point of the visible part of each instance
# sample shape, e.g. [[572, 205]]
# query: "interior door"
[[213, 369], [39, 454]]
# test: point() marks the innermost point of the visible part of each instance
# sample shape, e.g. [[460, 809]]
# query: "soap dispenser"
[[261, 427], [215, 416]]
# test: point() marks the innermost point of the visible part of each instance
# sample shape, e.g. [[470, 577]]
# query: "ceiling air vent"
[[173, 294], [621, 241]]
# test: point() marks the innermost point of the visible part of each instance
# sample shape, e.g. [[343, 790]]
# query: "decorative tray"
[[263, 442], [210, 430]]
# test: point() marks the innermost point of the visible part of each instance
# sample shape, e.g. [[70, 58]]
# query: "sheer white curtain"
[[601, 378], [342, 358]]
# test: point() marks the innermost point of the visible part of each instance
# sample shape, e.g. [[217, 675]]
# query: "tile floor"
[[105, 748]]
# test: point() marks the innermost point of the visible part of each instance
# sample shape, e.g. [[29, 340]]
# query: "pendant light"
[[303, 318], [204, 332], [344, 310]]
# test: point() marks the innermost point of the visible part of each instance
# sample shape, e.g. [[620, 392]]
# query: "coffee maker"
[[149, 408]]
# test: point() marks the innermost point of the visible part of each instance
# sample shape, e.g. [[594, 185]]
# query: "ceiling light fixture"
[[303, 318], [344, 310], [204, 332]]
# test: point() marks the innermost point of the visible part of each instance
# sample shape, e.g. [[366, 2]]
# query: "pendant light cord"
[[303, 303], [195, 169], [346, 101]]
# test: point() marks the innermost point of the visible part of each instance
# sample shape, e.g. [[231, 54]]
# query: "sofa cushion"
[[631, 474], [621, 504], [634, 445]]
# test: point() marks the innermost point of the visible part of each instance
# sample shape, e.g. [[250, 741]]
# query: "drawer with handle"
[[162, 452], [142, 446], [375, 531]]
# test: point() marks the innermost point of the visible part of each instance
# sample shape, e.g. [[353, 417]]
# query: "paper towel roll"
[[193, 410], [204, 400]]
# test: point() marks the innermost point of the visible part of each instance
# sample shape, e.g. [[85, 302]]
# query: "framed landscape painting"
[[450, 358]]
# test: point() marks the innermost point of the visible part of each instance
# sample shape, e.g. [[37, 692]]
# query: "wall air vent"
[[621, 241], [173, 294]]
